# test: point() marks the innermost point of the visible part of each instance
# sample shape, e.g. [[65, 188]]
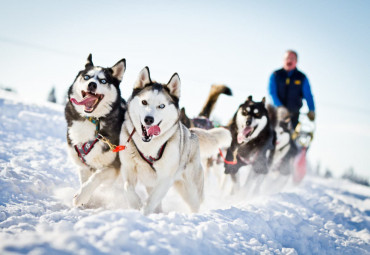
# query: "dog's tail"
[[211, 140], [216, 90]]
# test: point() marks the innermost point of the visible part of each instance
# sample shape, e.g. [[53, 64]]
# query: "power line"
[[36, 46]]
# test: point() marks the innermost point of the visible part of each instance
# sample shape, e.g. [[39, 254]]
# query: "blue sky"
[[239, 43]]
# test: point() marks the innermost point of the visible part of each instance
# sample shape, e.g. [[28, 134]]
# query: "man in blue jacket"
[[288, 86]]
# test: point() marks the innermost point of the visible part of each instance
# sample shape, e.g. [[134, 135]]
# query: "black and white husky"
[[94, 114], [253, 139], [286, 148], [160, 151]]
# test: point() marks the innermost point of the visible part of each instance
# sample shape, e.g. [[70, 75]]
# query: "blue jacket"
[[289, 88]]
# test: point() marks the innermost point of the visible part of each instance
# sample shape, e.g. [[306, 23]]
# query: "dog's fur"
[[210, 161], [286, 148], [102, 86], [253, 138], [173, 148]]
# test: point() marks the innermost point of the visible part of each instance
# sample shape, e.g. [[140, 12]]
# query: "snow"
[[37, 183]]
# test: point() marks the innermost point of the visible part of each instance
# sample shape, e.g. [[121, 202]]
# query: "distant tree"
[[318, 168], [51, 96], [9, 89], [353, 177], [328, 173]]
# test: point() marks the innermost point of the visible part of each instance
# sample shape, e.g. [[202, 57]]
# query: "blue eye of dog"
[[144, 102], [86, 77], [161, 106], [103, 81]]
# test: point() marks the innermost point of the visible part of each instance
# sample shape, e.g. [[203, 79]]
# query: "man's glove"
[[311, 115]]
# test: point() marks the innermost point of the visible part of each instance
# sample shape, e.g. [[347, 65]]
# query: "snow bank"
[[37, 182]]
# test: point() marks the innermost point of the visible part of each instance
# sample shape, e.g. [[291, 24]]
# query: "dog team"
[[150, 140]]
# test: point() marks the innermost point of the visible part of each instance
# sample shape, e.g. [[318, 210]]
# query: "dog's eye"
[[144, 102], [244, 113], [86, 77], [161, 106], [103, 81]]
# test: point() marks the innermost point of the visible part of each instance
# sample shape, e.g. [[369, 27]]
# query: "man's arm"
[[307, 95], [273, 91]]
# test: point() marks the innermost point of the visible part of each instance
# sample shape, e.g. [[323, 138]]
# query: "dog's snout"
[[92, 86], [148, 120]]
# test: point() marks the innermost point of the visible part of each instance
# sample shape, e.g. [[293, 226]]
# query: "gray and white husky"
[[94, 114], [160, 151]]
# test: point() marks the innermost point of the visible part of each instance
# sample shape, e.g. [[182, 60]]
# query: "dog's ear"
[[174, 85], [119, 69], [89, 61], [263, 100], [249, 98], [143, 78]]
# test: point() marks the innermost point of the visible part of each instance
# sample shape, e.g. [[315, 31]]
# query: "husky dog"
[[94, 114], [213, 163], [160, 151], [253, 138], [286, 148]]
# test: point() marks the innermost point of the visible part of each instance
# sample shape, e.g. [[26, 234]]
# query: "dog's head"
[[251, 119], [95, 88], [154, 107]]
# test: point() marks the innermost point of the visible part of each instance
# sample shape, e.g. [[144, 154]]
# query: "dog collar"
[[150, 160], [96, 122]]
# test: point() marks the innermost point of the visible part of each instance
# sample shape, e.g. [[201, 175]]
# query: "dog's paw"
[[80, 199], [145, 211]]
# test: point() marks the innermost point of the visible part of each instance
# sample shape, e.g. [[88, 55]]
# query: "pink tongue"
[[154, 130], [84, 101], [241, 135]]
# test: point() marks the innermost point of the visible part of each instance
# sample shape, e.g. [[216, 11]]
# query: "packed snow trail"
[[37, 183]]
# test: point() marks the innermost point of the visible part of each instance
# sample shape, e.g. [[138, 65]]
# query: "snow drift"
[[37, 182]]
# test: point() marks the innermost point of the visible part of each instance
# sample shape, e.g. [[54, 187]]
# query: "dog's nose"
[[249, 122], [92, 86], [149, 120]]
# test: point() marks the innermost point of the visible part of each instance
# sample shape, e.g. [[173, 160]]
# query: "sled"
[[303, 135]]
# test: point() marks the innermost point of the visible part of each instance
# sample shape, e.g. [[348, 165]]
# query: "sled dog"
[[253, 139], [94, 115], [160, 151], [285, 148], [211, 162]]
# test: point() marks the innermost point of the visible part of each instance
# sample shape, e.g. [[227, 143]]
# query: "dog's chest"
[[151, 173], [81, 132], [88, 148]]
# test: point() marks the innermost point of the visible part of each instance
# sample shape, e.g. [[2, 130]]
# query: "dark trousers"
[[294, 119]]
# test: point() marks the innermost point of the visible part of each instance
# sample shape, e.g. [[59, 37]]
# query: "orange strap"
[[227, 162]]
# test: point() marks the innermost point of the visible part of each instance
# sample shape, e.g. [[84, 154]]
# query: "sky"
[[238, 43]]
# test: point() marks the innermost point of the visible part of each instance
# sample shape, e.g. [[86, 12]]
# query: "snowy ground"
[[37, 182]]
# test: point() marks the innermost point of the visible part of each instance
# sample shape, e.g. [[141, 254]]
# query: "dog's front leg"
[[130, 180], [156, 196], [84, 174], [132, 197], [88, 187]]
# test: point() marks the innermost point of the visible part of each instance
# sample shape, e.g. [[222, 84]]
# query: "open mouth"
[[89, 100], [245, 134], [150, 131]]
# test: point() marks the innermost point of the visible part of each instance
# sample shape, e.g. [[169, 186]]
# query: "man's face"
[[290, 61]]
